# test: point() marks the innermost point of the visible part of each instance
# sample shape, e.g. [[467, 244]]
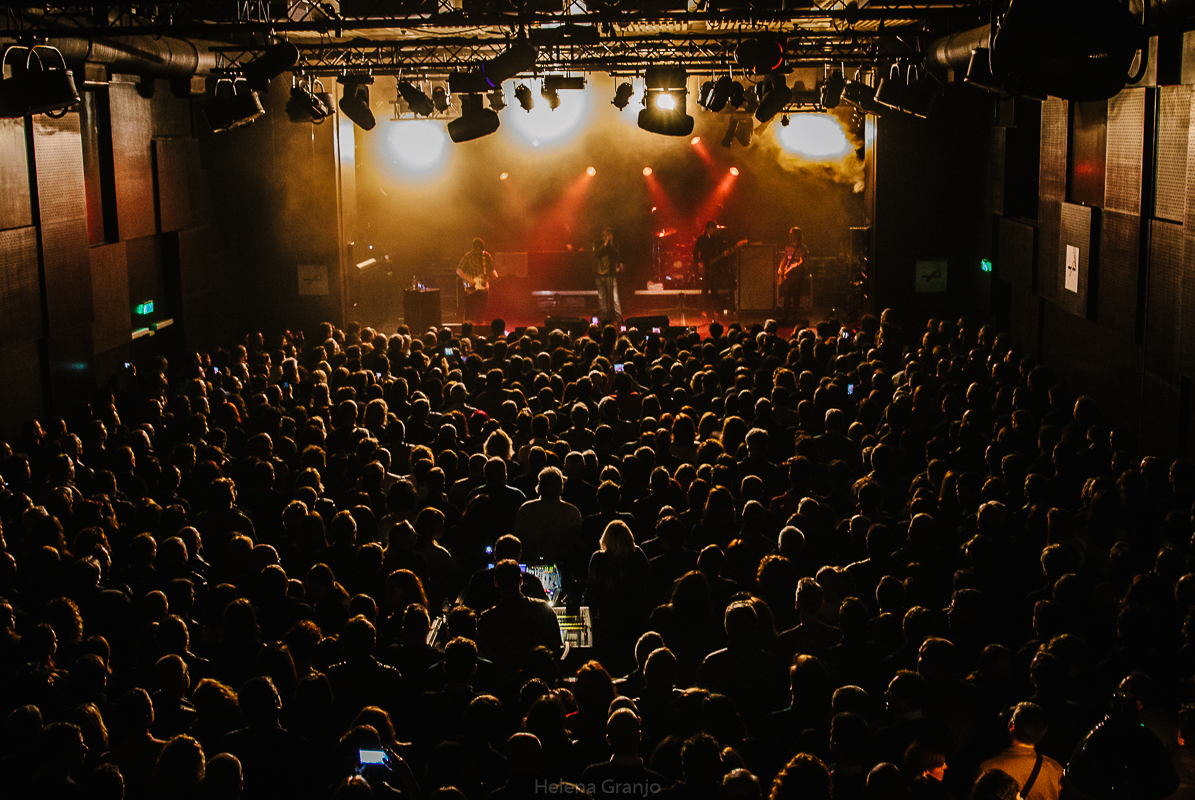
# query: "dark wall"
[[130, 198], [1113, 179]]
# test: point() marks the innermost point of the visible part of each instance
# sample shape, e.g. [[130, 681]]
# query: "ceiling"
[[433, 38]]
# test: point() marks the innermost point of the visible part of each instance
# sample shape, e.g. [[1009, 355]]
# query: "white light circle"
[[418, 146], [818, 137], [545, 126]]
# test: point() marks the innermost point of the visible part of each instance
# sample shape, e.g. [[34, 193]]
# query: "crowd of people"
[[851, 564]]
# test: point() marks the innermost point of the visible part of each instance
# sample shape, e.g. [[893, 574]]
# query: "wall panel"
[[1170, 177], [1120, 236], [1054, 118], [1049, 222], [1126, 143], [1163, 298], [20, 287], [1078, 225], [110, 290], [132, 128], [1015, 261], [15, 209]]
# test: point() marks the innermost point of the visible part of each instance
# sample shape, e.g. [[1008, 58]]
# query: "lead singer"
[[605, 270]]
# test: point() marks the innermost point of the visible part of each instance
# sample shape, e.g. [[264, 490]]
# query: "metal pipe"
[[954, 51], [163, 57]]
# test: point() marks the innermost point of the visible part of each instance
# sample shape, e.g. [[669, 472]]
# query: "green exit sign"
[[985, 265], [145, 308]]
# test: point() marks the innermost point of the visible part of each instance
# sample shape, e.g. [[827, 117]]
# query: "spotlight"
[[354, 104], [474, 122], [665, 100], [696, 140], [622, 96], [761, 56], [736, 96], [497, 100], [306, 106], [734, 171], [519, 58], [775, 96], [832, 90], [440, 99], [233, 106], [905, 93], [590, 171], [523, 95], [504, 176], [276, 59], [415, 99], [551, 96], [43, 84], [705, 94], [719, 93], [861, 96], [647, 172]]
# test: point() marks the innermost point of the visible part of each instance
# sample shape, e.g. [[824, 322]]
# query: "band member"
[[476, 270], [710, 253], [605, 270], [793, 274]]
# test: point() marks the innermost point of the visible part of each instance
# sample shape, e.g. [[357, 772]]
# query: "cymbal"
[[666, 232]]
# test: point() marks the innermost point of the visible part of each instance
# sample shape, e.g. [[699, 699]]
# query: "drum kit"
[[674, 260]]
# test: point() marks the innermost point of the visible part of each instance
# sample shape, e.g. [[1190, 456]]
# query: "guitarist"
[[476, 269], [710, 254], [792, 274]]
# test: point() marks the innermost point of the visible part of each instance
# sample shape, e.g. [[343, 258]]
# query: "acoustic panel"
[[1049, 218], [1170, 177], [1088, 153], [1186, 337], [1126, 148], [1077, 257], [20, 287], [15, 208], [994, 186], [1052, 181], [1163, 296], [1116, 299], [110, 293], [146, 277], [1014, 259], [171, 115], [132, 130], [757, 278], [176, 171]]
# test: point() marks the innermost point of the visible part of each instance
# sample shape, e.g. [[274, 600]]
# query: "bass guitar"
[[706, 268]]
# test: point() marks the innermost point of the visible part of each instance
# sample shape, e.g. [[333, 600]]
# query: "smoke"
[[844, 166]]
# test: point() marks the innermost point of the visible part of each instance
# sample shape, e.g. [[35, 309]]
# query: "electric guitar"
[[479, 283], [707, 267], [791, 261]]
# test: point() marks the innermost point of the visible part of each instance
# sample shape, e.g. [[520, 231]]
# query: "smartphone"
[[286, 385], [215, 370], [845, 334], [371, 757], [594, 320], [655, 330], [850, 388], [127, 365], [619, 368], [623, 328], [489, 550], [449, 352]]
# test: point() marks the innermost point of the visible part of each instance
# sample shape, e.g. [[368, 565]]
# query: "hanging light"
[[234, 105]]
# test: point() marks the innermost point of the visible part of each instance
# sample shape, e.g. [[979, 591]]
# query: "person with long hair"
[[616, 592]]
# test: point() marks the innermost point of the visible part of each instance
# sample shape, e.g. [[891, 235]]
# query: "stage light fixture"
[[622, 96], [475, 120], [705, 95], [234, 105], [518, 58], [696, 140], [784, 120], [415, 99], [38, 83], [736, 96], [832, 89], [979, 71], [647, 172], [277, 59], [551, 96], [440, 99], [590, 171], [503, 176], [523, 95], [761, 56], [664, 102], [905, 92], [858, 94], [497, 100], [734, 171], [305, 105], [354, 103], [774, 95]]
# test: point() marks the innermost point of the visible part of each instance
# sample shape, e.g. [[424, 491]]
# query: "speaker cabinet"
[[757, 278], [421, 309]]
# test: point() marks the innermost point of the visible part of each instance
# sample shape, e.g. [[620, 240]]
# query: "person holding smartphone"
[[605, 271]]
